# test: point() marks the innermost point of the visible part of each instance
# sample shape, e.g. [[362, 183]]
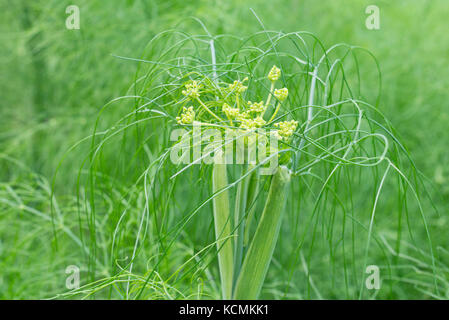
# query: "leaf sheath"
[[222, 222], [260, 252]]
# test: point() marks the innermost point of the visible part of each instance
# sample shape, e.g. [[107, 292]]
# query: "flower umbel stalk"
[[208, 110], [267, 104]]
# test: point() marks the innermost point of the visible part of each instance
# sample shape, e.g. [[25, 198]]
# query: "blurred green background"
[[53, 82]]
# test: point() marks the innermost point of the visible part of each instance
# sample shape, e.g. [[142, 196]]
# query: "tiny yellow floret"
[[274, 74], [256, 106], [286, 129], [187, 116], [281, 94], [238, 86], [242, 116], [229, 111], [250, 124], [192, 89]]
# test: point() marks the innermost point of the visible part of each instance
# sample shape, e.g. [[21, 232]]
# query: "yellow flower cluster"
[[251, 124], [192, 90], [286, 129], [274, 74], [229, 111], [281, 94], [187, 116], [238, 86], [242, 116], [246, 114], [256, 106]]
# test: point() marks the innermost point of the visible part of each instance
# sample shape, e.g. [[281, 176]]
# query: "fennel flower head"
[[187, 116], [224, 105], [286, 129], [274, 74], [192, 90], [281, 94]]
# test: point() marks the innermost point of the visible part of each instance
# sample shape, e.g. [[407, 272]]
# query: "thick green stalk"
[[239, 223], [253, 190], [260, 252], [222, 223]]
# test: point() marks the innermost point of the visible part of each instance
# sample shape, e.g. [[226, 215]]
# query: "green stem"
[[253, 190], [260, 252], [208, 110], [239, 223], [268, 99], [223, 229], [275, 112]]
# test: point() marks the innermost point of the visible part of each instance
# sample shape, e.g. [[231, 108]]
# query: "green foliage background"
[[54, 81]]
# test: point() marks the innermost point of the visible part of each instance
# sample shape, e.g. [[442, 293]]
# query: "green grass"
[[136, 231]]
